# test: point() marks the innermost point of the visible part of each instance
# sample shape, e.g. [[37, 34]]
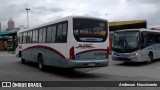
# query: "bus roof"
[[58, 20], [147, 30]]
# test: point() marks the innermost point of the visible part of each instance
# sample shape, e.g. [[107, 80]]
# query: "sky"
[[47, 10]]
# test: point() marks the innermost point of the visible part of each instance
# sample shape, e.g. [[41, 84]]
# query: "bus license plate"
[[91, 64]]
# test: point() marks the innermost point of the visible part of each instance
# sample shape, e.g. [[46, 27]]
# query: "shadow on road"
[[68, 73], [80, 74], [135, 64]]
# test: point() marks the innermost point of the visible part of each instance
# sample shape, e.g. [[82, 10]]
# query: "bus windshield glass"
[[90, 30], [126, 41]]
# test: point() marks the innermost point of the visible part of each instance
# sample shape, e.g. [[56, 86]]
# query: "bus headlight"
[[134, 54], [112, 52]]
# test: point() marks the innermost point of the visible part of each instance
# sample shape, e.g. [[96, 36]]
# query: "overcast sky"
[[47, 10]]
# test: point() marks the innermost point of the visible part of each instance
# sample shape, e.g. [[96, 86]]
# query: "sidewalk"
[[6, 53]]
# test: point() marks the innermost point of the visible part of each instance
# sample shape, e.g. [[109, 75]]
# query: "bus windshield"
[[90, 30], [125, 41]]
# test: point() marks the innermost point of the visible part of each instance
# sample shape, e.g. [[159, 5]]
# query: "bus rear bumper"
[[86, 63]]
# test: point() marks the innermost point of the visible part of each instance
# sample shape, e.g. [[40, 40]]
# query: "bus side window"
[[44, 35], [59, 33], [49, 34], [24, 37], [143, 39], [34, 37], [158, 41], [157, 38], [41, 35], [151, 38], [62, 33], [31, 36], [54, 34], [20, 38]]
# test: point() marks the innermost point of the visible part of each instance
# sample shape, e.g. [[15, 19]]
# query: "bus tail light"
[[107, 54], [72, 56]]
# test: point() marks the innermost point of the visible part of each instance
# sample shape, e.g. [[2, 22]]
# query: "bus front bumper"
[[125, 59], [86, 63]]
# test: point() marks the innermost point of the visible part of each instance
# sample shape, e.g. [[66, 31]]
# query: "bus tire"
[[20, 54], [40, 63], [23, 60], [150, 58]]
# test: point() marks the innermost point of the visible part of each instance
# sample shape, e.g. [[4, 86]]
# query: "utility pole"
[[27, 9], [106, 15]]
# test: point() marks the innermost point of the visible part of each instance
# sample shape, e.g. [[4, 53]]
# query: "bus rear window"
[[90, 30]]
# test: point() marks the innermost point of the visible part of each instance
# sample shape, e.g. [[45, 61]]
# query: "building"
[[11, 25]]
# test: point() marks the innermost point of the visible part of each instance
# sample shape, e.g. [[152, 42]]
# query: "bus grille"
[[124, 59]]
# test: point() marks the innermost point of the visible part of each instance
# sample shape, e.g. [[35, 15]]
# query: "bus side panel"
[[35, 52], [26, 54], [54, 58], [154, 49], [50, 56], [143, 55]]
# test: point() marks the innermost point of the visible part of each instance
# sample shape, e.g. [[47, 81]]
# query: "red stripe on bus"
[[92, 50], [46, 47]]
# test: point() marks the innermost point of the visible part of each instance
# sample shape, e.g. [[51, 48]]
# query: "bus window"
[[88, 30], [31, 36], [157, 39], [24, 37], [27, 37], [49, 34], [143, 40], [54, 34], [44, 35], [21, 38], [150, 38], [40, 35], [62, 33], [34, 36], [59, 32]]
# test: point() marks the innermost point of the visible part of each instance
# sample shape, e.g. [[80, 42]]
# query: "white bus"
[[70, 42], [136, 45]]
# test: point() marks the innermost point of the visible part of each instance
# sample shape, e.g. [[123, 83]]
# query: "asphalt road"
[[11, 69]]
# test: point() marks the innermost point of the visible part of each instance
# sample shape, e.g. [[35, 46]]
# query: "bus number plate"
[[91, 64]]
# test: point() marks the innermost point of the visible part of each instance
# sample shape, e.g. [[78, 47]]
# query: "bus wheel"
[[20, 53], [40, 63], [23, 60], [150, 58]]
